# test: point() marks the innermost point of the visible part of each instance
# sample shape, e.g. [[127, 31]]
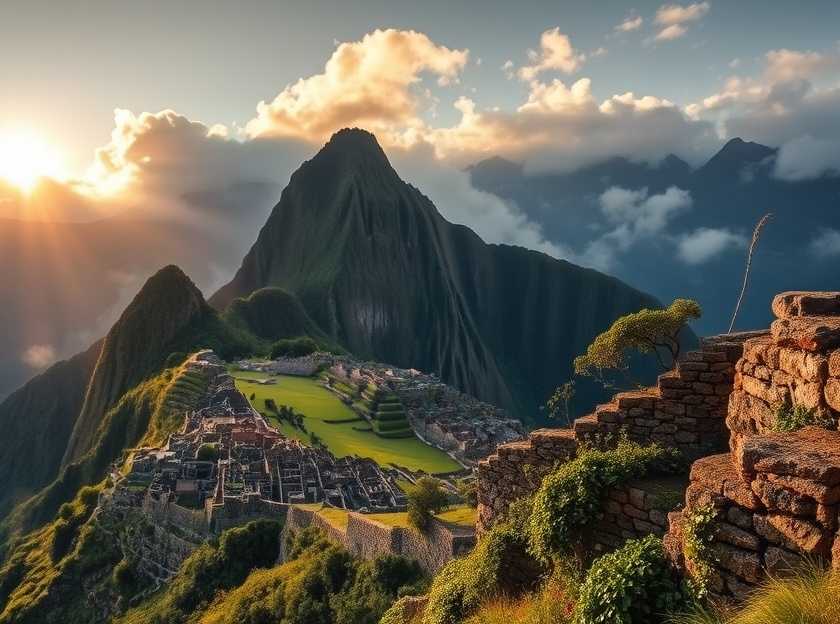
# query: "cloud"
[[784, 106], [674, 17], [805, 158], [508, 69], [703, 244], [371, 83], [556, 53], [826, 244], [630, 24], [669, 33], [633, 215], [39, 356], [562, 128]]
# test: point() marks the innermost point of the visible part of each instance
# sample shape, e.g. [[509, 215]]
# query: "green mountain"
[[37, 421], [385, 275]]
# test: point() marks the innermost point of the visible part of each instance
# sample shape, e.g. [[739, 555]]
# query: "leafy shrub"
[[698, 539], [124, 577], [633, 585], [209, 451], [792, 418], [425, 498], [293, 347], [499, 565], [570, 498]]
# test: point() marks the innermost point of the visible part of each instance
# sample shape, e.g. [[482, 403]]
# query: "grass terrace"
[[461, 516], [336, 425]]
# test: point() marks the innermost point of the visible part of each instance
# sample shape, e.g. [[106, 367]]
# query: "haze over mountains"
[[674, 231]]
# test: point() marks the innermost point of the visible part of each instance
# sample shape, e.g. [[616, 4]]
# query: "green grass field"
[[317, 404]]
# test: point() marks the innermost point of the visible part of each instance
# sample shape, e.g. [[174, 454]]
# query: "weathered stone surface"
[[781, 562], [744, 563], [803, 535], [776, 497], [812, 333], [832, 393], [736, 536], [806, 303], [810, 453]]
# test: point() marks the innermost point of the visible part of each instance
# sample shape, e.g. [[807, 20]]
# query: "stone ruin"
[[685, 410], [774, 496]]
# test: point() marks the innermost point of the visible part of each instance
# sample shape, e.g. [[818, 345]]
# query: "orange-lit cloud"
[[373, 83]]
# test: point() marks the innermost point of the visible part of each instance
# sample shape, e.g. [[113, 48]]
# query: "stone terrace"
[[685, 410]]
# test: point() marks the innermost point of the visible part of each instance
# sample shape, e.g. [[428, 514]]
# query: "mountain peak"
[[736, 153]]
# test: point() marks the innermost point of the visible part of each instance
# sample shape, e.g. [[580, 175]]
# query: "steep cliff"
[[382, 273]]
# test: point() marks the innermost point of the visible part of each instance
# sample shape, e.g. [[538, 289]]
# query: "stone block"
[[740, 517], [736, 536], [776, 497], [810, 453], [832, 393], [806, 303], [816, 334], [804, 536], [744, 563], [781, 562]]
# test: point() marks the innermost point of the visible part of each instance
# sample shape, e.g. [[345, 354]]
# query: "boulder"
[[806, 303]]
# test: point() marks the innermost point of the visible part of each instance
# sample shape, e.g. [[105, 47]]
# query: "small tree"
[[425, 498], [646, 331], [561, 401]]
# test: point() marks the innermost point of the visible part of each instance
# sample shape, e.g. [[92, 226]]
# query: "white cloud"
[[669, 33], [805, 157], [633, 216], [703, 244], [827, 243], [670, 14], [673, 19], [371, 83], [556, 53], [39, 356], [630, 24], [508, 69], [784, 64]]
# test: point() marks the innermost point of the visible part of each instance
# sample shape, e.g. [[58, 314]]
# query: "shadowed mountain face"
[[137, 346], [729, 193], [382, 273]]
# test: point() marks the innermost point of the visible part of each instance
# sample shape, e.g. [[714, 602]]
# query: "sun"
[[25, 158]]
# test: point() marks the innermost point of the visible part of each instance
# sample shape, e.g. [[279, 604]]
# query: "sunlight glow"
[[25, 158]]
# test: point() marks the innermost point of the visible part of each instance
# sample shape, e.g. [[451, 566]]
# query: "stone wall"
[[775, 495], [685, 410], [367, 538], [637, 509]]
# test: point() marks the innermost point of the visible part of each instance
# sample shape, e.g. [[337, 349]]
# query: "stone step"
[[609, 413], [637, 398], [514, 449], [586, 424]]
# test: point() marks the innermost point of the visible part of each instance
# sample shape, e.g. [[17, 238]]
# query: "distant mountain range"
[[799, 249]]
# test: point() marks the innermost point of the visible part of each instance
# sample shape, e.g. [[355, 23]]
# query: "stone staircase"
[[685, 410]]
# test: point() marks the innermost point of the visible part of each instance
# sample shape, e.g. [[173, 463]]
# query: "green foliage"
[[425, 498], [293, 347], [811, 596], [794, 417], [633, 585], [176, 358], [319, 583], [468, 491], [646, 331], [570, 498], [211, 568], [561, 401], [124, 576], [499, 565], [698, 539]]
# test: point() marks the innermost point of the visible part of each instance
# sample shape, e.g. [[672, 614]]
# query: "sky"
[[66, 66]]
